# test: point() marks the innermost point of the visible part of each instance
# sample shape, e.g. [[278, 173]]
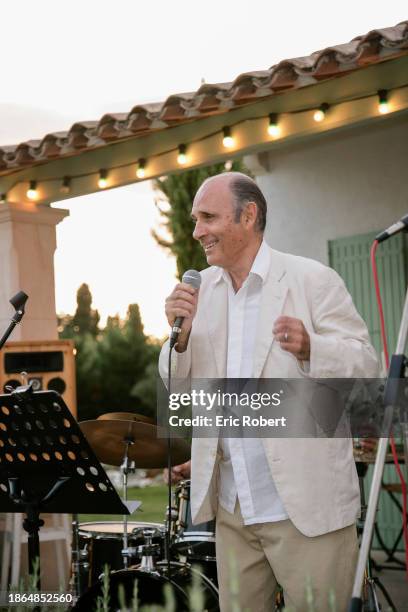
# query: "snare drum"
[[196, 542], [101, 544]]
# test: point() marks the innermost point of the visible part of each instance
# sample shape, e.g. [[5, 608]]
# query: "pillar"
[[27, 245]]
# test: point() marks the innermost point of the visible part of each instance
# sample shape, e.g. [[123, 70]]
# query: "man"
[[285, 508]]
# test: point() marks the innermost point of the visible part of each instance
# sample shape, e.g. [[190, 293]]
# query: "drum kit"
[[151, 555]]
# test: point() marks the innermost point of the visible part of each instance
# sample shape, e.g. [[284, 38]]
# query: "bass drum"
[[150, 589]]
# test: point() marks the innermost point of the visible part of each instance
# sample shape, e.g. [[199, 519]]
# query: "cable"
[[169, 515], [198, 140], [386, 358]]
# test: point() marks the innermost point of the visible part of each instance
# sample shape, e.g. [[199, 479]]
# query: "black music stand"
[[46, 465]]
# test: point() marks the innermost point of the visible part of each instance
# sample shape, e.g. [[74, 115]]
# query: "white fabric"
[[316, 478], [244, 470]]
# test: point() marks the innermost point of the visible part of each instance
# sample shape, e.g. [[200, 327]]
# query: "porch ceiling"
[[347, 77]]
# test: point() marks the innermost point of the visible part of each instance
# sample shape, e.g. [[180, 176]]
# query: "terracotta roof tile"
[[211, 99]]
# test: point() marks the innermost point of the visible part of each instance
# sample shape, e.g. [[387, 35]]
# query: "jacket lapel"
[[273, 299], [216, 312]]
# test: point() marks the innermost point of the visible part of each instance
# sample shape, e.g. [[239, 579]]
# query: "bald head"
[[243, 190]]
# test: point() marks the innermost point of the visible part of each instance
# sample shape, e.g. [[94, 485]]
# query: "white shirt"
[[244, 470]]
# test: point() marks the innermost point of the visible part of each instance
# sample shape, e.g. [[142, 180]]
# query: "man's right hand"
[[178, 473], [182, 302]]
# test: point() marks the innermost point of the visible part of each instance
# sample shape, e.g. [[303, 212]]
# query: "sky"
[[75, 60]]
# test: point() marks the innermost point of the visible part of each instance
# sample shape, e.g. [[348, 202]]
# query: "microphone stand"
[[18, 301], [392, 397]]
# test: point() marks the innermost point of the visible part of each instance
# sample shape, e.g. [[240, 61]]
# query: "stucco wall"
[[342, 184]]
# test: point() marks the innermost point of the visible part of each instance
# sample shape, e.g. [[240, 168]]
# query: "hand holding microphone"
[[181, 307]]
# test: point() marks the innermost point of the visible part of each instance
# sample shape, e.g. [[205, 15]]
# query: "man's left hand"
[[293, 337]]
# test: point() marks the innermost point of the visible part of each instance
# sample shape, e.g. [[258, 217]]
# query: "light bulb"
[[227, 140], [102, 181], [182, 157], [320, 113], [140, 171], [32, 193], [66, 185], [273, 127], [383, 106]]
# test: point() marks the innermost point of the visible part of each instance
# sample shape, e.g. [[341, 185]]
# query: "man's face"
[[222, 238]]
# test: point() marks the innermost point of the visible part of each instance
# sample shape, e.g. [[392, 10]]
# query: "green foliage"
[[85, 320], [178, 191], [115, 367], [123, 358], [87, 376]]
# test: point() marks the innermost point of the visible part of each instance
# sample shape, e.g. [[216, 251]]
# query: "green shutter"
[[350, 257]]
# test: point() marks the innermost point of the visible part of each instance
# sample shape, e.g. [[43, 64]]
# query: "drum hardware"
[[193, 541], [127, 467], [148, 551], [172, 524], [79, 560]]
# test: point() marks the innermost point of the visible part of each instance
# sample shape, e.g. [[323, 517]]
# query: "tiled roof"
[[372, 48]]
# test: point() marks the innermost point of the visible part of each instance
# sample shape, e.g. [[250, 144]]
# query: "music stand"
[[47, 465]]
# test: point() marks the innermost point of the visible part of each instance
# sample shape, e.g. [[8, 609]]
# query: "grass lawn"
[[154, 502]]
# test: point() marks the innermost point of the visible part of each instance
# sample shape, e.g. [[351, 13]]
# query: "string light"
[[273, 127], [320, 113], [103, 179], [182, 157], [66, 185], [227, 139], [32, 193], [140, 171], [383, 105]]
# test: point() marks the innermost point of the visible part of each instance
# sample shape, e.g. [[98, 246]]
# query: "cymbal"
[[126, 416], [108, 437]]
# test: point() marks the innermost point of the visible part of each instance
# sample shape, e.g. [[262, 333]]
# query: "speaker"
[[49, 364]]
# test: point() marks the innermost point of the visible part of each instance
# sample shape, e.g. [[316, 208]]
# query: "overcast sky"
[[70, 61]]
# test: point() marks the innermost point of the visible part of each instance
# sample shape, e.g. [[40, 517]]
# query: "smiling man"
[[285, 509]]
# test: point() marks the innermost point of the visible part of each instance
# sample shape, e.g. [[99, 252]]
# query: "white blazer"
[[315, 478]]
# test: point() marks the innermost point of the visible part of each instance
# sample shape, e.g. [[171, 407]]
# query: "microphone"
[[18, 301], [399, 226], [193, 278]]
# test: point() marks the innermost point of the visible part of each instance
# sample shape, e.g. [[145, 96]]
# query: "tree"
[[82, 327], [178, 191], [112, 362], [123, 358], [89, 392], [85, 319]]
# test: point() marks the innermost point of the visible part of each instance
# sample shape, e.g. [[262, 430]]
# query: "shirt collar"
[[260, 266]]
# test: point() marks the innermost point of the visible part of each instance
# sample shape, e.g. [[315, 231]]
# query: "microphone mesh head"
[[192, 277]]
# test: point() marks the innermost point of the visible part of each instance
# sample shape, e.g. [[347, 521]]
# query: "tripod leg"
[[32, 524], [386, 594], [370, 601]]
